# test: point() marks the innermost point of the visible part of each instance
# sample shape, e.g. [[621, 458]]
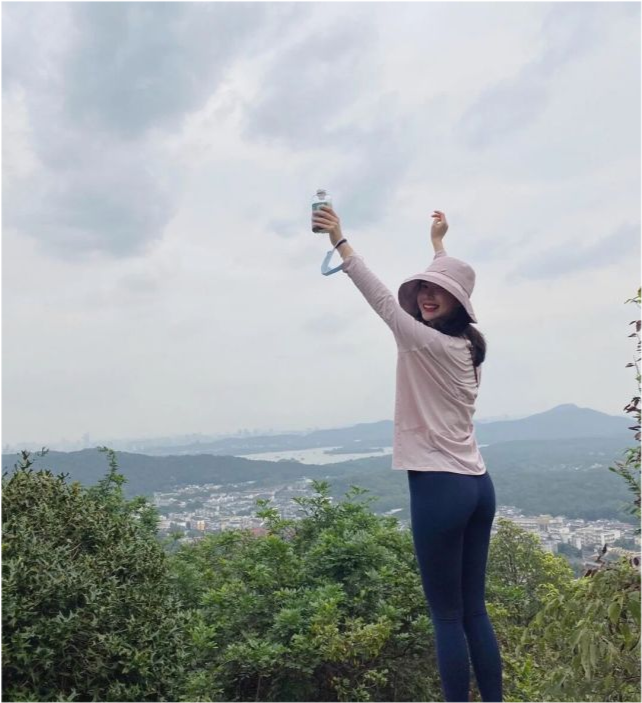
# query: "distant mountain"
[[373, 434], [146, 474], [566, 421], [561, 422]]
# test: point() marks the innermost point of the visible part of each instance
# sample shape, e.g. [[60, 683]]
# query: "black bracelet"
[[338, 244]]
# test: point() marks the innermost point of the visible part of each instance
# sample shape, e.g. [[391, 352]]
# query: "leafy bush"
[[584, 643], [629, 469], [88, 611], [519, 572], [328, 607]]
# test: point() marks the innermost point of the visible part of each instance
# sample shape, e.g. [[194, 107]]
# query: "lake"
[[314, 456]]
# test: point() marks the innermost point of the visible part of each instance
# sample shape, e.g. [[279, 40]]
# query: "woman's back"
[[436, 386]]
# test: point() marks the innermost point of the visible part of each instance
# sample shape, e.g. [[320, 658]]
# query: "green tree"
[[88, 611], [520, 572], [584, 644], [519, 575], [326, 607], [330, 607], [629, 469]]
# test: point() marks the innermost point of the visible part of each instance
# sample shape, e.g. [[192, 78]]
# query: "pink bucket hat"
[[454, 275]]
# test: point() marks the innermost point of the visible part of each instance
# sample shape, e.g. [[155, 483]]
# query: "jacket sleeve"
[[408, 332]]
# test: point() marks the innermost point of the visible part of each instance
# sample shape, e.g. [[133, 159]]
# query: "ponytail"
[[479, 343], [459, 325]]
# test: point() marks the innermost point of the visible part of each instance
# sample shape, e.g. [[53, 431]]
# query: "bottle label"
[[315, 206]]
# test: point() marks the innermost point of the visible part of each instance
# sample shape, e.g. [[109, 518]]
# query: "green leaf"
[[614, 611]]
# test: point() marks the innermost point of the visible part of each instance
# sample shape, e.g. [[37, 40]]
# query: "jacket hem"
[[432, 468]]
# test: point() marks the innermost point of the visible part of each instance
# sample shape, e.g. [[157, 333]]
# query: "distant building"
[[597, 536], [560, 534], [527, 523]]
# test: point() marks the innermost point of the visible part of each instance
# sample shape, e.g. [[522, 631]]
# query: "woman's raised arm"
[[408, 332]]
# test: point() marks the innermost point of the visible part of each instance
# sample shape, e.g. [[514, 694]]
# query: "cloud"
[[502, 109], [309, 84], [92, 109], [512, 105], [570, 259], [288, 229], [142, 66], [104, 197], [328, 324], [34, 41], [120, 210], [323, 94], [384, 158]]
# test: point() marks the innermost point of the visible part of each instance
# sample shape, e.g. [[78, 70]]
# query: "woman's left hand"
[[327, 218]]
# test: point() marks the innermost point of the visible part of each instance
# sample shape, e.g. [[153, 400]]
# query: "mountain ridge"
[[565, 421]]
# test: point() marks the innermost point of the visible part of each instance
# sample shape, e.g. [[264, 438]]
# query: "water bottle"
[[321, 198]]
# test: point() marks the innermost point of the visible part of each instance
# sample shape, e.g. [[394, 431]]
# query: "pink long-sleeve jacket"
[[436, 386]]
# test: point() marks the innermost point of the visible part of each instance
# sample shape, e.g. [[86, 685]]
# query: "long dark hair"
[[459, 325]]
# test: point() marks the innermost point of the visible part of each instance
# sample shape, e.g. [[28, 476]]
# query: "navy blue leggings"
[[451, 516]]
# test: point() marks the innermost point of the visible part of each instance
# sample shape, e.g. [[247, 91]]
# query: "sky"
[[159, 160]]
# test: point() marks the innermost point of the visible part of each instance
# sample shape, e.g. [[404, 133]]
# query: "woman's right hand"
[[439, 226]]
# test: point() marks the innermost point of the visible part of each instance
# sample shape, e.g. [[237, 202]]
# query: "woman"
[[452, 497]]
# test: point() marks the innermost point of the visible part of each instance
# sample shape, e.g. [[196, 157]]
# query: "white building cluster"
[[581, 534], [236, 509], [227, 510]]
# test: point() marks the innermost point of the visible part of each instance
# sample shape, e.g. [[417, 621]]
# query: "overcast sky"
[[159, 160]]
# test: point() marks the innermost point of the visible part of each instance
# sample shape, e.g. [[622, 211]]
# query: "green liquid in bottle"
[[320, 199]]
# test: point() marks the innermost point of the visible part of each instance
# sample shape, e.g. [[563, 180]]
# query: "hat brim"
[[409, 289]]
